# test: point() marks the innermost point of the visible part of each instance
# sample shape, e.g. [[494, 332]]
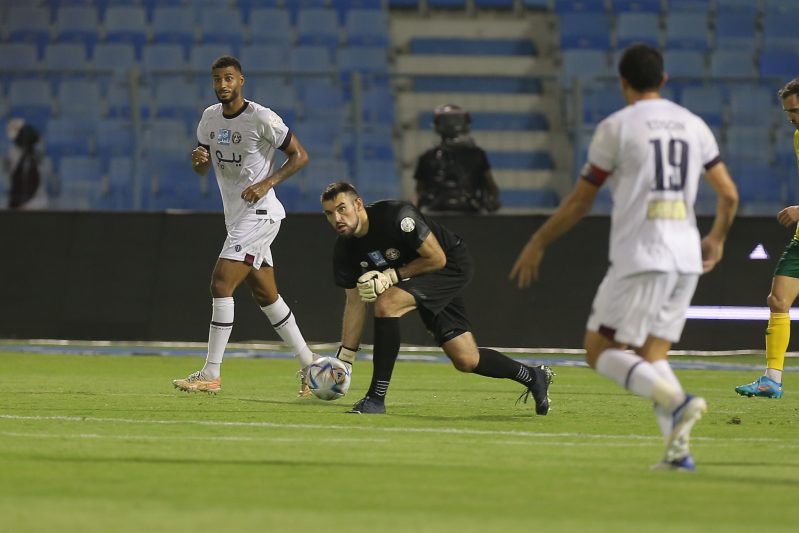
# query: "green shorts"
[[788, 265]]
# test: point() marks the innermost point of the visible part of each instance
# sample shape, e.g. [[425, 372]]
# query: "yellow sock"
[[778, 333]]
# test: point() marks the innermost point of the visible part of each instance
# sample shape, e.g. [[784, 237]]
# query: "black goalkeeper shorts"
[[439, 295]]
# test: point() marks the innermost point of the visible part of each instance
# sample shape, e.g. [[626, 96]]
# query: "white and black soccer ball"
[[329, 378]]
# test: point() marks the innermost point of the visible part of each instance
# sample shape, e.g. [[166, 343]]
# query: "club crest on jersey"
[[212, 135], [392, 254], [223, 137], [407, 224], [377, 258], [236, 137]]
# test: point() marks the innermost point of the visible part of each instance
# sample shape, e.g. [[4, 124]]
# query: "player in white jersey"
[[240, 138], [652, 154]]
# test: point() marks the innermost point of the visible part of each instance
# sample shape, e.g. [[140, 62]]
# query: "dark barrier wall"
[[145, 276]]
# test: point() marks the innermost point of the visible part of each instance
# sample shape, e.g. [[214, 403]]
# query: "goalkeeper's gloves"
[[346, 354], [374, 283]]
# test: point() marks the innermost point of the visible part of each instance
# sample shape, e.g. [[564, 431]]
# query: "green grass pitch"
[[102, 443]]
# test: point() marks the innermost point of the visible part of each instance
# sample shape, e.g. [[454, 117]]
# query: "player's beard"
[[231, 97]]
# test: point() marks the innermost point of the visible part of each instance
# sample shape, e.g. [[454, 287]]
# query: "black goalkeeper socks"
[[493, 364], [387, 345]]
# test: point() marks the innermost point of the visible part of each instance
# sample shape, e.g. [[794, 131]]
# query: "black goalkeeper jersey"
[[396, 230]]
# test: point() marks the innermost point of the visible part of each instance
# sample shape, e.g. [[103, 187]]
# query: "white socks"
[[774, 374], [639, 377], [282, 319], [218, 335], [663, 416]]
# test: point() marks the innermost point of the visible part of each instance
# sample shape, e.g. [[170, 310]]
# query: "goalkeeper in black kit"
[[389, 254]]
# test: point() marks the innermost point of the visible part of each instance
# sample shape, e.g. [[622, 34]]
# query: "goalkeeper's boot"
[[683, 420], [539, 388], [305, 390], [197, 382], [686, 464], [764, 387], [369, 406]]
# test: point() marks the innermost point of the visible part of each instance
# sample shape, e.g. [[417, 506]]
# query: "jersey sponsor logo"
[[212, 135], [392, 254], [236, 137], [407, 224], [237, 248], [223, 137], [377, 258], [666, 210]]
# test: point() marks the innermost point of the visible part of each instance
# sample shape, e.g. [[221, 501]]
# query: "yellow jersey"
[[796, 150]]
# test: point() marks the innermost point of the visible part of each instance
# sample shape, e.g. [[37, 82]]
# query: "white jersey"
[[242, 152], [655, 152]]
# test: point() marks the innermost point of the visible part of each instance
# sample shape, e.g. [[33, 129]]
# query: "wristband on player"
[[346, 354]]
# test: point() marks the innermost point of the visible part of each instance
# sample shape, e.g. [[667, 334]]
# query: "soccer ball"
[[329, 378]]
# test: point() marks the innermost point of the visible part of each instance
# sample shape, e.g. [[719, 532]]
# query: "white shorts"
[[630, 308], [250, 241]]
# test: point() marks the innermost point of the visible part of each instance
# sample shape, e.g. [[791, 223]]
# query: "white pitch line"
[[92, 436], [442, 430]]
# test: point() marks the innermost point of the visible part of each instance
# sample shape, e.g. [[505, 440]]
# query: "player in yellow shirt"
[[785, 284]]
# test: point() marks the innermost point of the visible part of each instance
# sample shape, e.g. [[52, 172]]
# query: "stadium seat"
[[685, 64], [778, 62], [202, 56], [752, 106], [66, 59], [273, 92], [74, 168], [222, 25], [377, 106], [170, 25], [17, 57], [318, 27], [118, 194], [467, 46], [177, 97], [114, 56], [748, 145], [324, 103], [542, 5], [342, 7], [637, 27], [735, 31], [686, 30], [527, 198], [693, 6], [32, 100], [748, 8], [163, 57], [367, 27], [779, 30], [531, 160], [599, 101], [363, 59], [731, 64], [637, 6], [126, 24], [446, 4], [584, 30], [114, 138], [584, 64], [311, 59], [79, 97], [263, 57], [295, 6], [579, 6], [68, 136], [480, 84], [705, 101], [28, 25], [78, 24], [271, 26]]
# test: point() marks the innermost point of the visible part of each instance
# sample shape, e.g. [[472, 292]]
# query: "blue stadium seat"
[[16, 57], [79, 168], [533, 160], [735, 31], [779, 29], [177, 97], [60, 57], [527, 198], [748, 145], [731, 64], [248, 6], [599, 101], [693, 6], [151, 5], [271, 26], [403, 4], [114, 56], [68, 136], [584, 64], [222, 25], [686, 30], [637, 27], [323, 103], [752, 106], [273, 92], [446, 4], [542, 5], [636, 6], [466, 46], [163, 57], [126, 24], [171, 25], [494, 4], [363, 59], [479, 84], [705, 101], [377, 106], [28, 25], [32, 100], [743, 7], [579, 6], [79, 97], [343, 7], [120, 185], [118, 102], [114, 138], [167, 136], [584, 30], [78, 24], [779, 63], [295, 6], [80, 183], [264, 57], [685, 63], [316, 59], [202, 56], [367, 27], [318, 27]]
